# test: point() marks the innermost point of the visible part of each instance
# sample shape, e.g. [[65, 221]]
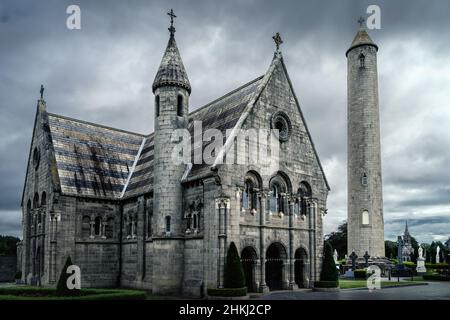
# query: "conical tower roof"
[[362, 38], [171, 71]]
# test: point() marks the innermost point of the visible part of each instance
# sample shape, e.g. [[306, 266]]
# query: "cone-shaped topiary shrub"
[[61, 287], [329, 271], [234, 273]]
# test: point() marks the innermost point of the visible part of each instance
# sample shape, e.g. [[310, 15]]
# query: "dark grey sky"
[[103, 73]]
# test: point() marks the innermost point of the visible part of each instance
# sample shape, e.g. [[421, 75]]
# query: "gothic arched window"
[[180, 105], [157, 105], [365, 217]]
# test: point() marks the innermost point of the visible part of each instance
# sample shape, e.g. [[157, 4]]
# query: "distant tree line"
[[338, 241], [8, 245]]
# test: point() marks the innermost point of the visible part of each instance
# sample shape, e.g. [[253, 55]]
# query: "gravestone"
[[366, 258]]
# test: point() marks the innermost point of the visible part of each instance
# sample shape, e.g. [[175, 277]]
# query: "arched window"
[[195, 221], [167, 224], [304, 192], [97, 226], [43, 199], [362, 62], [365, 217], [157, 105], [274, 199], [36, 201], [180, 105], [249, 196], [364, 179]]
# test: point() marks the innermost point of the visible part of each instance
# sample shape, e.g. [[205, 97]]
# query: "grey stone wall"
[[364, 155]]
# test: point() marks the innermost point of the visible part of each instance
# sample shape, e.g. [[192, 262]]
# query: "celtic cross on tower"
[[278, 40], [361, 21], [171, 28]]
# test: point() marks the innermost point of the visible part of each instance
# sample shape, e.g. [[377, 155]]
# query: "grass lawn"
[[39, 293], [351, 284]]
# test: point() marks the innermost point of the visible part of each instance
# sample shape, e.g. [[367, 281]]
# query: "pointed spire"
[[361, 38], [406, 227], [171, 71]]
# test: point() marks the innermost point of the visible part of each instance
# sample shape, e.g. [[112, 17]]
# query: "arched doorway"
[[275, 257], [301, 274], [249, 259]]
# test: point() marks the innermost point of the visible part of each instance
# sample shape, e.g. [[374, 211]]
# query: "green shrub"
[[360, 274], [227, 292], [326, 284], [234, 272], [438, 277], [437, 266], [409, 264], [329, 271], [18, 275], [61, 288]]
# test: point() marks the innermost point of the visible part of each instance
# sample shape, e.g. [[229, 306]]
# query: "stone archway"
[[249, 259], [275, 266], [301, 268]]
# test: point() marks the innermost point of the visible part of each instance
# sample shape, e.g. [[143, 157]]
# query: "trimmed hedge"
[[36, 293], [438, 277], [227, 292], [61, 288], [329, 271], [436, 266], [360, 274], [326, 284]]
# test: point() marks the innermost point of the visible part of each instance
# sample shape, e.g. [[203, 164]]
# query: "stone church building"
[[128, 216]]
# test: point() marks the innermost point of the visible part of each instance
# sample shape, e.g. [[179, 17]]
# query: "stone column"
[[311, 240], [103, 230], [262, 246], [221, 205], [292, 284]]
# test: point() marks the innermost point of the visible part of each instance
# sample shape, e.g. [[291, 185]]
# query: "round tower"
[[171, 88], [365, 199]]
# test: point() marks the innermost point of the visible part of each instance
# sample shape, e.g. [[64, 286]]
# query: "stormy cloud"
[[103, 73]]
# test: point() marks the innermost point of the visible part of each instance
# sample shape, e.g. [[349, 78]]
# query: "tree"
[[329, 271], [415, 246], [61, 287], [390, 249], [338, 239], [8, 245], [234, 272]]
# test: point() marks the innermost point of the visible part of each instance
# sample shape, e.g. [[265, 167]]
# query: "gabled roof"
[[92, 160], [103, 162]]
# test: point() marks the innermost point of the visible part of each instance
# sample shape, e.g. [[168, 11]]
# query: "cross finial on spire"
[[171, 28], [42, 92], [278, 40], [361, 21]]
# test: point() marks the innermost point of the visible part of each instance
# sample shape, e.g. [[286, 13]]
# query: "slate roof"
[[361, 38], [171, 70], [92, 160]]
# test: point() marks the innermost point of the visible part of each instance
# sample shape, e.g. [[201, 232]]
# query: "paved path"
[[432, 291]]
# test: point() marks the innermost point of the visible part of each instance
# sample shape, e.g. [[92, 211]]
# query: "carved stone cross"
[[353, 256], [366, 257], [361, 21]]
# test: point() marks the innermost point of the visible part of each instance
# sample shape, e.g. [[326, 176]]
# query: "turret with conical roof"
[[171, 88]]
